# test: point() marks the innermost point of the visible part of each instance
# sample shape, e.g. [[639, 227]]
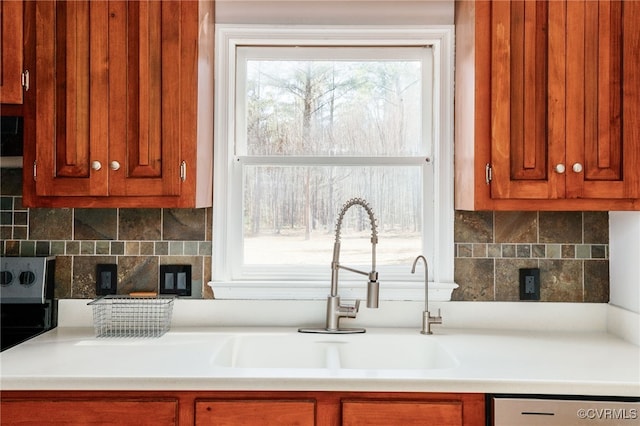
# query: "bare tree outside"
[[331, 109]]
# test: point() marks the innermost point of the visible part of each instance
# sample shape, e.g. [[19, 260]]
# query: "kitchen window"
[[310, 117]]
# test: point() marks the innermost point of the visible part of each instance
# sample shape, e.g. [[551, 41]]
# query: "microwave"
[[11, 141]]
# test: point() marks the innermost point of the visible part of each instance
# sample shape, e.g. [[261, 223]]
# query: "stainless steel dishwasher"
[[546, 410]]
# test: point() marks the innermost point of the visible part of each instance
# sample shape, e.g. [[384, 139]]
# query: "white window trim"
[[441, 269]]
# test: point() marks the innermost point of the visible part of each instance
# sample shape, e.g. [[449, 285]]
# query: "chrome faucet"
[[336, 311], [427, 319]]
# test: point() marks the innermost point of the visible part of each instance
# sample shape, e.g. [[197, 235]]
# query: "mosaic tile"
[[137, 273], [568, 251], [523, 250], [161, 248], [43, 248], [596, 227], [147, 248], [27, 248], [57, 248], [95, 224], [561, 280], [596, 281], [132, 248], [63, 277], [475, 278], [103, 247], [583, 251], [598, 251], [494, 250], [479, 250], [87, 247], [20, 232], [560, 227], [139, 224], [465, 250], [538, 251], [50, 224], [554, 251], [508, 250], [183, 225], [473, 227], [72, 247], [117, 248], [516, 227]]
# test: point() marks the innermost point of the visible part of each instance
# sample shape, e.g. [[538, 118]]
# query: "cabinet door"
[[83, 412], [71, 107], [527, 99], [603, 85], [11, 57], [110, 99], [146, 41], [564, 114], [384, 413], [255, 412]]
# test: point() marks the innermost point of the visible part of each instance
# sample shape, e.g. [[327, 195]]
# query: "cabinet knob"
[[560, 168], [96, 165], [114, 165], [577, 167]]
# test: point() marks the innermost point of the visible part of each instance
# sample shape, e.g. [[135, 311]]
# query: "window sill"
[[348, 290]]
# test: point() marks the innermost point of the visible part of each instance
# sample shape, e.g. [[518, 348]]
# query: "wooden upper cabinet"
[[11, 55], [119, 86], [546, 105]]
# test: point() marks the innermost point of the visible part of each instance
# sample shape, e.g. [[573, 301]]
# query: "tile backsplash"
[[570, 248], [138, 241]]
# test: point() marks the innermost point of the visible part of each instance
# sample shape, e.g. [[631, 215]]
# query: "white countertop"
[[574, 360]]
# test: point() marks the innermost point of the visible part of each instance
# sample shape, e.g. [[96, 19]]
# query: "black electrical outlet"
[[530, 284], [106, 279], [175, 279]]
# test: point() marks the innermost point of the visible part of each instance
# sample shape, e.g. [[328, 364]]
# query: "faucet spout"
[[427, 318], [373, 287], [335, 310]]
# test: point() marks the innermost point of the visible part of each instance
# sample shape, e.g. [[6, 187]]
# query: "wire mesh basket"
[[127, 316]]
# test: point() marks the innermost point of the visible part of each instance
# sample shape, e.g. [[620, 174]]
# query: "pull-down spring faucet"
[[335, 310]]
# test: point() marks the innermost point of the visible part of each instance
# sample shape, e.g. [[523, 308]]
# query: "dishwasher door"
[[543, 411]]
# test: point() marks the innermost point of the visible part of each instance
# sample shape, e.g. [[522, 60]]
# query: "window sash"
[[229, 165]]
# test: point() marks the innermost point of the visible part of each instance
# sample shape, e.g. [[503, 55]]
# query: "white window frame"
[[227, 204]]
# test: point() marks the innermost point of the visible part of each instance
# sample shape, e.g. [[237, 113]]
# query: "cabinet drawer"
[[374, 413], [255, 412], [83, 412]]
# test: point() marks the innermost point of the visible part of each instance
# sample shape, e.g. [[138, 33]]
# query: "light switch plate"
[[106, 279], [530, 284], [175, 279]]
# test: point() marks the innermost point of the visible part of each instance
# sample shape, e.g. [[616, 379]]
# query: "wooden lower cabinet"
[[248, 412], [241, 408], [45, 410], [403, 412]]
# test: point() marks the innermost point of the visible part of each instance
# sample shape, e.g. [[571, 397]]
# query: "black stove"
[[27, 304]]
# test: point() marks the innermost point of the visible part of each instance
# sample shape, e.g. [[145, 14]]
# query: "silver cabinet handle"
[[114, 165], [560, 168], [577, 167], [96, 165]]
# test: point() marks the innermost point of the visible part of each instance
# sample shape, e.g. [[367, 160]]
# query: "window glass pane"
[[334, 107], [289, 214]]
